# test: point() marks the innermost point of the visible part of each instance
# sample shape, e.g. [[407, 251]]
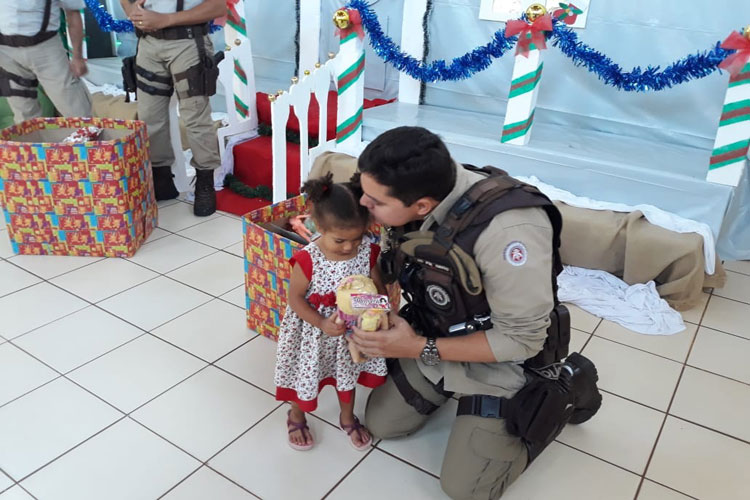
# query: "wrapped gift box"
[[267, 269], [94, 198]]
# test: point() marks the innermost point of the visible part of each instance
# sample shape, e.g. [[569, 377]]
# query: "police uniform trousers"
[[48, 63], [481, 460], [166, 58]]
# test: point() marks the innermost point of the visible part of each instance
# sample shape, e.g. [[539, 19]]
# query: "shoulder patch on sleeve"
[[516, 253]]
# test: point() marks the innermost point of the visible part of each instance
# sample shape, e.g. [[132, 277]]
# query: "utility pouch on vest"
[[129, 82]]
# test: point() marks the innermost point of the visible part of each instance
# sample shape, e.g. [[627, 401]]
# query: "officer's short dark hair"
[[412, 162]]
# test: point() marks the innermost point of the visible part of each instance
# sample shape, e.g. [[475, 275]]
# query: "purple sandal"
[[298, 426], [356, 426]]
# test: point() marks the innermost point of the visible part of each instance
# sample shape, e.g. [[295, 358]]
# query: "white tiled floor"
[[137, 379]]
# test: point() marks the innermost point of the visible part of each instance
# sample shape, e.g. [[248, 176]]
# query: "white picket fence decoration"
[[317, 83]]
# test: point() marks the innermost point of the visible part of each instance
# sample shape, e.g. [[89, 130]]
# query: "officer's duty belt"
[[26, 41], [176, 32]]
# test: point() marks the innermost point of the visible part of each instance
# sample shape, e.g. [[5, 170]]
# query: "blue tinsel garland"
[[107, 23], [460, 68], [691, 67]]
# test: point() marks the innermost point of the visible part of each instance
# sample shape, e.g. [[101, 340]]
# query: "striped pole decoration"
[[519, 115], [730, 155], [235, 32], [351, 91]]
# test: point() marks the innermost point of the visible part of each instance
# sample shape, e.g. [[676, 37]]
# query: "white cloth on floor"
[[655, 216], [106, 89], [636, 307]]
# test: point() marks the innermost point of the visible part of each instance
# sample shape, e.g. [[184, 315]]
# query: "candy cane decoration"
[[350, 79], [235, 33], [729, 158], [527, 71]]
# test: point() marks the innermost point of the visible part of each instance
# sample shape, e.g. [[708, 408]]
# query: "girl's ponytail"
[[318, 189]]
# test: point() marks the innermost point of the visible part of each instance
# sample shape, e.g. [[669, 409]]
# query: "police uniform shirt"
[[24, 17], [514, 256], [169, 6]]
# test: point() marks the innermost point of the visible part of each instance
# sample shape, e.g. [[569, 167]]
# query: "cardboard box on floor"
[[94, 198]]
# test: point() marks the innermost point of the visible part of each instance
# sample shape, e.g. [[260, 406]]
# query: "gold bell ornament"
[[341, 19], [535, 11]]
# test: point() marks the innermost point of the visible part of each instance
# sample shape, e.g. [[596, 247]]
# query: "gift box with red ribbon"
[[89, 198]]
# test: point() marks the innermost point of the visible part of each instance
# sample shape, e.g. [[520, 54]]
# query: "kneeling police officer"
[[174, 54], [476, 254]]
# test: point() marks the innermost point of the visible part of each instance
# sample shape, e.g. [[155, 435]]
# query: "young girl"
[[312, 350]]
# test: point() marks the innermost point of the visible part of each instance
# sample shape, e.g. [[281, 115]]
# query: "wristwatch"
[[430, 355]]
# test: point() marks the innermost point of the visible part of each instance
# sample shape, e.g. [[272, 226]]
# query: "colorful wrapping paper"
[[94, 198]]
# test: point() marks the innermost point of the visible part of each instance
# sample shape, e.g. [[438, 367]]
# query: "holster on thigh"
[[27, 85]]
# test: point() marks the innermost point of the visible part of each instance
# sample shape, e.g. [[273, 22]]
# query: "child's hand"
[[333, 326]]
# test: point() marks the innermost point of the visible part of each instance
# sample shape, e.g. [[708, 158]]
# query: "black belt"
[[176, 32], [26, 41], [482, 406], [410, 395]]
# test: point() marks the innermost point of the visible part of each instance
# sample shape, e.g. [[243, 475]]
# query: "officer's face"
[[384, 208]]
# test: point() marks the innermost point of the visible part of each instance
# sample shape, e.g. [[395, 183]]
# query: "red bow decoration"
[[222, 20], [326, 299], [355, 24], [529, 33], [735, 62]]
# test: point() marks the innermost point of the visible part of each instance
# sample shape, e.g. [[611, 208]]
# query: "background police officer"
[[408, 176], [31, 52], [173, 47]]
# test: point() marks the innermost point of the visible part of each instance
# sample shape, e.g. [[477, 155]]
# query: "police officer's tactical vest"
[[442, 283]]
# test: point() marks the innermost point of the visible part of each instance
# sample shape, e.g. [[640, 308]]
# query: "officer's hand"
[[78, 67], [148, 20], [398, 341]]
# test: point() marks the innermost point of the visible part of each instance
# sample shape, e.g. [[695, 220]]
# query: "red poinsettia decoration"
[[567, 13], [529, 33], [735, 62], [352, 22]]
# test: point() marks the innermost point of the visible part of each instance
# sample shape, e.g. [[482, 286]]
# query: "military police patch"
[[438, 295], [515, 253]]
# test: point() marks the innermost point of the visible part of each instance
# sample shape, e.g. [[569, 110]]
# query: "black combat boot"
[[205, 194], [577, 380], [164, 187], [579, 376]]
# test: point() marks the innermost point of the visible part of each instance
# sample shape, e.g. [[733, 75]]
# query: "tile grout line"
[[669, 406], [405, 461], [120, 419], [348, 473], [596, 457], [738, 301]]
